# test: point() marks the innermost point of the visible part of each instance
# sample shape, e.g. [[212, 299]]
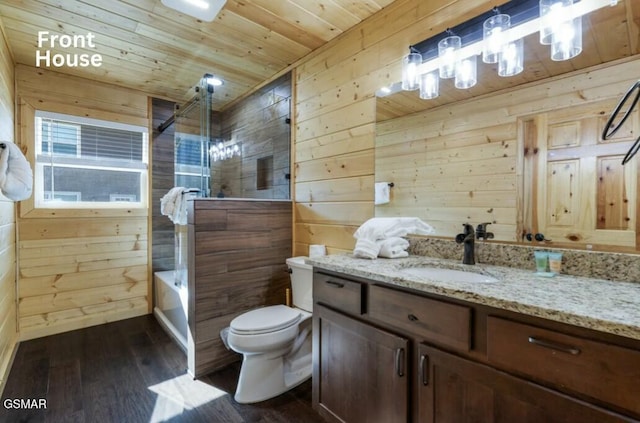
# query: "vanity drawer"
[[433, 321], [338, 293], [596, 369]]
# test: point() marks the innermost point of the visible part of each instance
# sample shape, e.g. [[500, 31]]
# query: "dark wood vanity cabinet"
[[385, 354], [457, 390], [362, 371]]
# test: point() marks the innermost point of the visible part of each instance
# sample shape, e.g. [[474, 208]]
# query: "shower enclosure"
[[192, 140], [242, 153]]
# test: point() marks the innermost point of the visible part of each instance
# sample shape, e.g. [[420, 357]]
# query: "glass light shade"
[[410, 76], [448, 54], [551, 15], [511, 59], [567, 40], [493, 37], [429, 85], [466, 73]]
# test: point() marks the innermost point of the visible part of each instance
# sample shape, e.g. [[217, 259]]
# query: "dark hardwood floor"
[[128, 372]]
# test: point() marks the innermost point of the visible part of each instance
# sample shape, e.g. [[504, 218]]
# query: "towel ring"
[[610, 128], [608, 131], [632, 151]]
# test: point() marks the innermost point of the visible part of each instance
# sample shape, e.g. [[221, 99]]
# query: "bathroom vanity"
[[394, 345]]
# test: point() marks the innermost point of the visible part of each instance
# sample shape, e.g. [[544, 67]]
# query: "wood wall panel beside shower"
[[237, 262], [8, 329], [78, 267]]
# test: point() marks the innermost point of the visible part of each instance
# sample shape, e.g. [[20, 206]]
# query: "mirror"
[[461, 157]]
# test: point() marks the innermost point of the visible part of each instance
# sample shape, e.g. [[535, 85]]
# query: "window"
[[83, 162]]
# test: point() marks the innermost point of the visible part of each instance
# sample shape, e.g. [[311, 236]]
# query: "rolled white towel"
[[394, 247], [16, 176], [366, 248], [379, 228]]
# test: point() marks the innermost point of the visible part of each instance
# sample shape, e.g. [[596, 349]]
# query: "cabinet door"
[[456, 390], [360, 372]]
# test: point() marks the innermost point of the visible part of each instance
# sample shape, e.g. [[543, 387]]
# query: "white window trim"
[[143, 168]]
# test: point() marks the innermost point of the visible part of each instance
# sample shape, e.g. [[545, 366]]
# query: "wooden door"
[[362, 371], [576, 190], [455, 390]]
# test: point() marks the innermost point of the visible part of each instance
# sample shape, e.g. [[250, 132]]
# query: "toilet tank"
[[301, 283]]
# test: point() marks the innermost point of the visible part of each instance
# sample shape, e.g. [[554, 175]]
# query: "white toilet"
[[275, 341]]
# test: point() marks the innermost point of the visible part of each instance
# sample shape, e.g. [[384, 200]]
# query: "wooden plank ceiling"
[[149, 47], [609, 34]]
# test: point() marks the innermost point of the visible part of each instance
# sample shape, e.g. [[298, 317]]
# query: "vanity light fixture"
[[466, 73], [410, 75], [205, 10], [448, 49], [511, 58], [499, 38], [429, 85], [493, 36]]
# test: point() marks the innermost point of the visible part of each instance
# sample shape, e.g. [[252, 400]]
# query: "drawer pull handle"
[[554, 346], [424, 369], [400, 362], [412, 317], [335, 284]]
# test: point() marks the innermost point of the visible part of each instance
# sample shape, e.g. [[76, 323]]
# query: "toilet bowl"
[[275, 341]]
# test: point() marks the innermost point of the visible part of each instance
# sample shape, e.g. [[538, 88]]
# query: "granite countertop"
[[606, 306]]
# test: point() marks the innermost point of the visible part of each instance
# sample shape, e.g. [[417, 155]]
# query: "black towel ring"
[[632, 151], [610, 128], [608, 131]]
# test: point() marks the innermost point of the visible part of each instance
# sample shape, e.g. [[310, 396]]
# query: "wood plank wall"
[[79, 268], [8, 326], [335, 126], [237, 251], [258, 123]]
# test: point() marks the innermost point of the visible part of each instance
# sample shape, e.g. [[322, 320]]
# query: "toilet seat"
[[265, 320]]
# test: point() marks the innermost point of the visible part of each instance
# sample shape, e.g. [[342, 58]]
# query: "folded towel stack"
[[173, 205], [381, 236], [16, 176]]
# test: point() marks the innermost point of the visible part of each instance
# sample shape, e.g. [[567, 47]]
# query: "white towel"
[[379, 228], [375, 230], [16, 176], [382, 193], [366, 248], [173, 205], [394, 247]]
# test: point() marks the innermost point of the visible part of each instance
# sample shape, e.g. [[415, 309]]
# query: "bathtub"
[[171, 306]]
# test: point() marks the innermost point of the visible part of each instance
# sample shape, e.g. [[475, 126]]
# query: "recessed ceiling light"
[[213, 80], [205, 10]]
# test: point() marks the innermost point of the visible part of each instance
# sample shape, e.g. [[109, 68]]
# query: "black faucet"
[[481, 231], [467, 238]]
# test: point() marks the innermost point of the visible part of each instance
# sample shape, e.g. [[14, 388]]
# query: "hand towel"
[[173, 205], [16, 176], [366, 248], [394, 247], [379, 228], [382, 193]]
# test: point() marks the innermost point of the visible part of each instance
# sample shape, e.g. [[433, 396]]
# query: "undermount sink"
[[440, 274]]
